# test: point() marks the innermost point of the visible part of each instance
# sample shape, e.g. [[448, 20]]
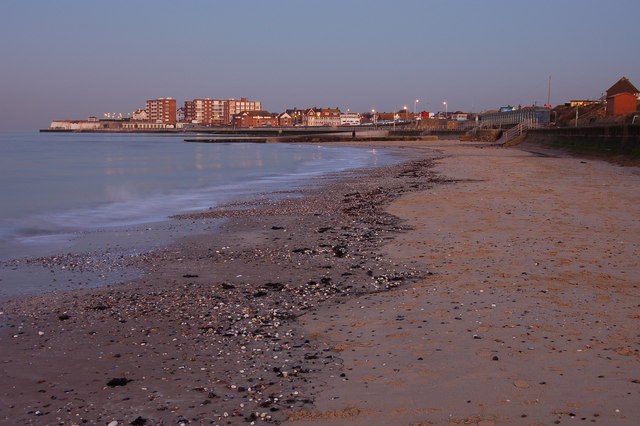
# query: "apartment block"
[[206, 111], [237, 106], [161, 110], [350, 119], [217, 112]]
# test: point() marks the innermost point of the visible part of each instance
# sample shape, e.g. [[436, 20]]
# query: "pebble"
[[245, 321]]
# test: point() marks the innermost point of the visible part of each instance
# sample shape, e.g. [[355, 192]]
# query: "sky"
[[70, 59]]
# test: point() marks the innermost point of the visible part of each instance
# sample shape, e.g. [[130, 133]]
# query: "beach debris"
[[521, 384], [233, 335]]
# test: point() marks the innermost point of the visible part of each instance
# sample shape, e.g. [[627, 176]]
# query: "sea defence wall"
[[617, 140], [445, 134]]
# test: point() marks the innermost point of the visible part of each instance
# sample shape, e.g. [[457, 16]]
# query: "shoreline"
[[272, 264], [101, 224], [470, 284]]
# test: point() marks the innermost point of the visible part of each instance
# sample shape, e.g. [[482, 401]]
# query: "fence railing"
[[517, 130]]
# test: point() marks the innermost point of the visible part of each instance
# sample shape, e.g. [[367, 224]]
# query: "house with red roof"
[[622, 97]]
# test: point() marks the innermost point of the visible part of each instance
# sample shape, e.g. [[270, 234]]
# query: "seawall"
[[608, 140]]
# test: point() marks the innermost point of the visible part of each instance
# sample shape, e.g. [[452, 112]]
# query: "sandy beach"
[[470, 284], [530, 316]]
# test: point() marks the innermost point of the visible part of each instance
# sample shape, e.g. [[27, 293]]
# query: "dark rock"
[[274, 286], [227, 286], [63, 317], [139, 421], [302, 250], [190, 276], [260, 293], [118, 381], [340, 251]]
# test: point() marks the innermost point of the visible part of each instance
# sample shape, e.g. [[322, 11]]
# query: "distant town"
[[163, 114]]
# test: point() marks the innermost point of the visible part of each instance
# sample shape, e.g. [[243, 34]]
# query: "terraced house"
[[321, 117], [255, 119]]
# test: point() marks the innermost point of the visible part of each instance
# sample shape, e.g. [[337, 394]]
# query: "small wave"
[[132, 207]]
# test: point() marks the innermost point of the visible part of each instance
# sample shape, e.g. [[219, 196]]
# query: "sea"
[[57, 188]]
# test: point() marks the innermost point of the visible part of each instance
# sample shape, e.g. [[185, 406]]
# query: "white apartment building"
[[350, 119]]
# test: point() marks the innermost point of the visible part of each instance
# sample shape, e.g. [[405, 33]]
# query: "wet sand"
[[499, 287], [531, 315], [210, 334]]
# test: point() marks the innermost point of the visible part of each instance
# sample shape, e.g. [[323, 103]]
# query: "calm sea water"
[[55, 186]]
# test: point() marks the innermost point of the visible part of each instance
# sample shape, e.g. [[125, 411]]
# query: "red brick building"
[[235, 106], [285, 120], [255, 119], [162, 110], [217, 112], [622, 98], [622, 103], [206, 111]]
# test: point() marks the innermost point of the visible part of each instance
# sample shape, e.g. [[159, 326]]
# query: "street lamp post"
[[446, 109], [405, 108], [373, 117], [415, 107]]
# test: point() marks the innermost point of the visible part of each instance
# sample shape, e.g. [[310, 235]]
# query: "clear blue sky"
[[71, 59]]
